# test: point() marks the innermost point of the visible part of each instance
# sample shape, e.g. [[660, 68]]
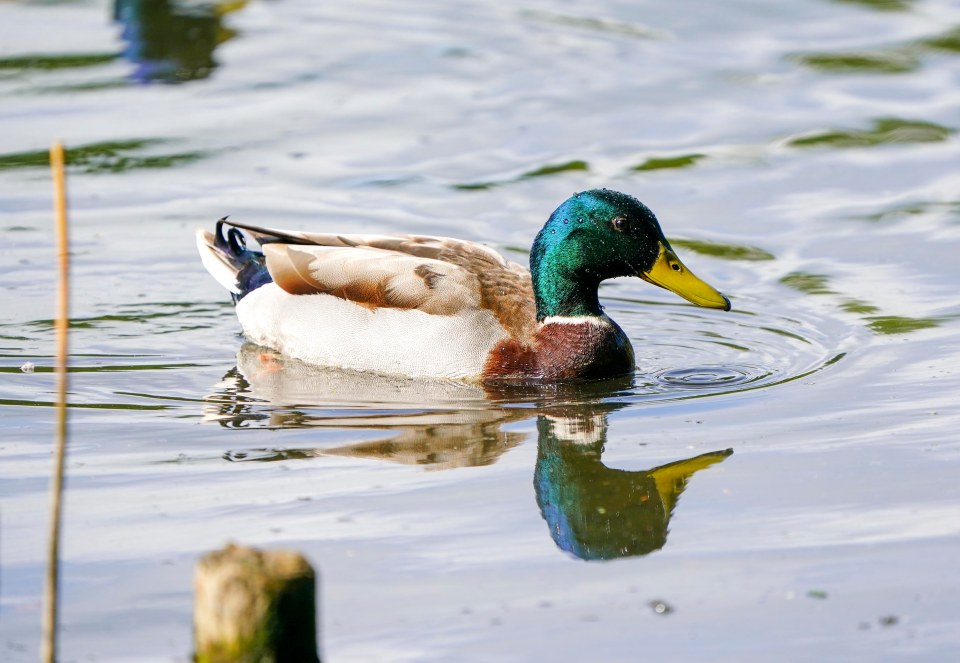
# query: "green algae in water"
[[894, 59], [108, 156], [597, 24], [812, 284], [883, 61], [884, 130], [948, 209], [723, 251], [880, 62], [895, 324], [519, 250], [93, 86], [542, 171], [660, 163], [858, 306], [42, 62], [897, 212], [948, 41], [475, 186], [137, 318], [81, 406], [553, 169], [881, 5], [816, 284], [104, 369]]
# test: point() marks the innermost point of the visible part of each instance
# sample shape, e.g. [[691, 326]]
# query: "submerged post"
[[253, 606]]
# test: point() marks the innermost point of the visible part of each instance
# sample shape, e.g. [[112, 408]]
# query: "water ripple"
[[704, 377]]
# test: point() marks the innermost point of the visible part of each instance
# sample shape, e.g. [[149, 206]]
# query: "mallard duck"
[[436, 307]]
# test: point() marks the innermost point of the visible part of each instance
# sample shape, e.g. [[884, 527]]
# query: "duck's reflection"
[[594, 512], [172, 41], [267, 390], [597, 512], [427, 440]]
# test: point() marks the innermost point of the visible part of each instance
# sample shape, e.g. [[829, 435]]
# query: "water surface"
[[773, 483]]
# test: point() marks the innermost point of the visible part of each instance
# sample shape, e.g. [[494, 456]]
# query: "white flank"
[[328, 331], [220, 270]]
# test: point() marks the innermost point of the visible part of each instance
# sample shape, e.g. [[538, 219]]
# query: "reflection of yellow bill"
[[672, 478], [668, 272]]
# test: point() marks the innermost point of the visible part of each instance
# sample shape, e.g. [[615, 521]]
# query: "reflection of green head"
[[595, 512]]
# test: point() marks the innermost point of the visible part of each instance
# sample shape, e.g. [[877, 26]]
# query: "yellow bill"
[[668, 272]]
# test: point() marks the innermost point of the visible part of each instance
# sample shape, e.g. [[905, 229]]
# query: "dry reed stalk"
[[48, 652]]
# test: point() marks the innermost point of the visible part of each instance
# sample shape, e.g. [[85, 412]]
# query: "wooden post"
[[253, 606]]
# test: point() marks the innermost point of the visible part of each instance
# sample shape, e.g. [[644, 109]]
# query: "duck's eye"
[[621, 225]]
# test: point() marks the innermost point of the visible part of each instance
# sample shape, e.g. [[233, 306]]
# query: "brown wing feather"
[[433, 274], [505, 287], [373, 277]]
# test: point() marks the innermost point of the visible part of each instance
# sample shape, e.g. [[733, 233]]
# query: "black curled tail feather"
[[253, 265], [232, 241], [249, 266]]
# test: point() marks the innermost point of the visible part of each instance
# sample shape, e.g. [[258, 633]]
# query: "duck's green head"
[[601, 234]]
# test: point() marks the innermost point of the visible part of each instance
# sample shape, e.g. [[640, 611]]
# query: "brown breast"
[[563, 351]]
